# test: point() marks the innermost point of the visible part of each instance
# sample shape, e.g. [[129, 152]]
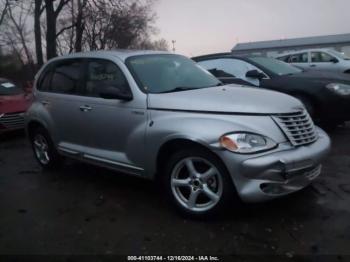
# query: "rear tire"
[[197, 183], [44, 149]]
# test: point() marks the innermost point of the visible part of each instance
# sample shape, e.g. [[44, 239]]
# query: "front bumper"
[[286, 170]]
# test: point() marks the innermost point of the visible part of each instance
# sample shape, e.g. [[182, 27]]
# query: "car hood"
[[226, 99], [14, 103], [323, 76]]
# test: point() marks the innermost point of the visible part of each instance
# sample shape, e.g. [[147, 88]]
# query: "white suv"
[[318, 59]]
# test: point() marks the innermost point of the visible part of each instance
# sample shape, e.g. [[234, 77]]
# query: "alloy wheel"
[[41, 149], [196, 184]]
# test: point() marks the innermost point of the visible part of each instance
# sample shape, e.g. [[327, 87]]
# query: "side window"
[[299, 58], [102, 74], [320, 57], [284, 58], [45, 81], [66, 77], [228, 67]]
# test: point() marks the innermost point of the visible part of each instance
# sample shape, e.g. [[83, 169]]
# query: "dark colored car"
[[326, 95], [14, 102]]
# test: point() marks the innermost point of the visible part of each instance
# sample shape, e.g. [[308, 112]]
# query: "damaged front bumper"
[[281, 172]]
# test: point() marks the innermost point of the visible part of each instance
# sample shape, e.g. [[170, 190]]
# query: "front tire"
[[44, 149], [197, 183]]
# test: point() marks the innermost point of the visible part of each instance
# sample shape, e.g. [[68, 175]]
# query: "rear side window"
[[66, 77], [284, 58], [103, 74], [299, 58], [45, 81]]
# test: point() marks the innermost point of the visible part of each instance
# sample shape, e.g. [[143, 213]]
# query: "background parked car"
[[318, 59], [325, 95], [14, 102]]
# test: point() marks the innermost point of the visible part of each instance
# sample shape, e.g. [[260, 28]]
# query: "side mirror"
[[334, 60], [255, 74], [115, 93]]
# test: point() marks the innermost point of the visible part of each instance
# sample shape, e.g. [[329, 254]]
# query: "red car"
[[14, 102]]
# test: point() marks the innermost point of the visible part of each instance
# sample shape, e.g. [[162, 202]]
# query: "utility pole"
[[174, 41]]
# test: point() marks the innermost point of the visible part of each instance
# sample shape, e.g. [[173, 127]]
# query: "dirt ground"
[[88, 210]]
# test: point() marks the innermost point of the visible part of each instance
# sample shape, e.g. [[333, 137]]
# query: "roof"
[[220, 55], [302, 51], [283, 43], [122, 54]]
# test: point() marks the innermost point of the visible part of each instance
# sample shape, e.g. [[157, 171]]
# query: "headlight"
[[340, 89], [246, 143]]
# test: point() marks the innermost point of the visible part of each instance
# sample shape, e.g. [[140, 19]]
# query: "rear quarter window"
[[44, 81], [66, 77]]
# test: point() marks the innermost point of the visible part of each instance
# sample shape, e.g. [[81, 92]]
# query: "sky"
[[207, 26]]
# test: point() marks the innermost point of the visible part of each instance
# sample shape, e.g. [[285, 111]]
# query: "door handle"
[[85, 108], [312, 65], [45, 102]]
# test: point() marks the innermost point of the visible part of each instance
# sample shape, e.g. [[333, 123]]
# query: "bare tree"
[[3, 9], [79, 25], [16, 34], [160, 45], [117, 23], [52, 14], [38, 10]]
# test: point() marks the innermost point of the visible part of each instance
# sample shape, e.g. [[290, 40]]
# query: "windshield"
[[338, 54], [276, 66], [8, 88], [169, 73]]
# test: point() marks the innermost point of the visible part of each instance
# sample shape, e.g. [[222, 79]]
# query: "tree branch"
[[2, 17], [64, 29], [60, 6]]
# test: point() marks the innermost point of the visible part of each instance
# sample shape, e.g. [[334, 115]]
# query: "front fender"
[[204, 129]]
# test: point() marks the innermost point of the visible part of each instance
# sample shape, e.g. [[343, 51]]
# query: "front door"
[[114, 129], [323, 61]]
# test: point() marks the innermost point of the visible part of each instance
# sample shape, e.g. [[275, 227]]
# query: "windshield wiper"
[[178, 89], [186, 88]]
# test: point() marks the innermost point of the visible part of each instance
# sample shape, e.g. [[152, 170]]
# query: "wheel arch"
[[171, 146], [32, 125]]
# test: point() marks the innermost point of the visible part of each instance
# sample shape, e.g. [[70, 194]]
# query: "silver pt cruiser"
[[160, 116]]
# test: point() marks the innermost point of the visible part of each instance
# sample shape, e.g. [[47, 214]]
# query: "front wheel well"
[[32, 126], [173, 146]]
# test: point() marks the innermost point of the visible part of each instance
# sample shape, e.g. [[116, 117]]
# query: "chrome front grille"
[[298, 127], [12, 120]]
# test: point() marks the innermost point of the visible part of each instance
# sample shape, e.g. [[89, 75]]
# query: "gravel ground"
[[88, 210]]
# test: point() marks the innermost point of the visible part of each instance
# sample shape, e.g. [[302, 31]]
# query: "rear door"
[[59, 95], [300, 60]]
